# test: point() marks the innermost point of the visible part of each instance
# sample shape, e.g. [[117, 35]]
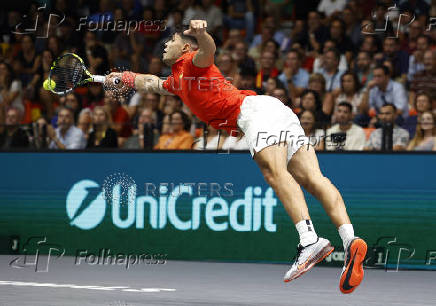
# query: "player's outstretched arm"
[[141, 82], [206, 45]]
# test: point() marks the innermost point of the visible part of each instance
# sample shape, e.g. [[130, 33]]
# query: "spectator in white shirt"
[[66, 135], [354, 134]]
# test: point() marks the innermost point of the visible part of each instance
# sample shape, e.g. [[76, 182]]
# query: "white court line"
[[72, 286]]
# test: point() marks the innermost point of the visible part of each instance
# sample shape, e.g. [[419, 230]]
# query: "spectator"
[[352, 27], [400, 137], [267, 69], [416, 60], [399, 58], [102, 136], [317, 32], [343, 42], [425, 138], [354, 134], [66, 135], [119, 115], [382, 90], [26, 61], [363, 68], [10, 89], [268, 46], [227, 66], [240, 55], [269, 31], [319, 60], [330, 69], [310, 100], [421, 104], [146, 128], [426, 79], [295, 78], [308, 123], [179, 138], [247, 80], [349, 92], [13, 136], [85, 122]]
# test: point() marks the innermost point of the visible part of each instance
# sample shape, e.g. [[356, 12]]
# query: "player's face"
[[173, 50]]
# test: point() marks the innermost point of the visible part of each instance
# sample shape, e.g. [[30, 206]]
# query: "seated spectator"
[[94, 96], [102, 136], [421, 104], [27, 61], [310, 101], [270, 46], [271, 85], [205, 10], [349, 92], [317, 83], [330, 69], [147, 134], [120, 117], [10, 89], [213, 139], [425, 138], [267, 69], [383, 90], [354, 135], [316, 31], [328, 7], [85, 122], [318, 63], [416, 60], [295, 78], [227, 66], [399, 58], [425, 80], [240, 55], [66, 135], [13, 136], [246, 80], [363, 68], [343, 42], [268, 31], [179, 138], [308, 123], [40, 139], [400, 137]]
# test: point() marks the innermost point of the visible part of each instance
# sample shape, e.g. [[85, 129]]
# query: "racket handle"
[[98, 78]]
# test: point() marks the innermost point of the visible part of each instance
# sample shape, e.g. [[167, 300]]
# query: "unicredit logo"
[[253, 210]]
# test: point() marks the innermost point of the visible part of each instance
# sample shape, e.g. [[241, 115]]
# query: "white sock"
[[307, 233], [346, 232]]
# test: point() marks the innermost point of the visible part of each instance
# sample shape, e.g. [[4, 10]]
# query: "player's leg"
[[305, 169], [272, 162]]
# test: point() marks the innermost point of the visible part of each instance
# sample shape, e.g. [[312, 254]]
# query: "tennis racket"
[[68, 72]]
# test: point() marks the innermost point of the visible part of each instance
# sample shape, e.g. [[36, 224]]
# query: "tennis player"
[[275, 137]]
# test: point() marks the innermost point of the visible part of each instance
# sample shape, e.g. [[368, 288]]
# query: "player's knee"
[[315, 183], [273, 176]]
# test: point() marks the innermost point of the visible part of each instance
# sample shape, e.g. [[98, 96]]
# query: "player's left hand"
[[196, 28]]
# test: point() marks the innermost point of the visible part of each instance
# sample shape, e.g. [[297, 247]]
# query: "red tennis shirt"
[[206, 92]]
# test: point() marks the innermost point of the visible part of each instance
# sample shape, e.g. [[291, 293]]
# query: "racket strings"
[[67, 73]]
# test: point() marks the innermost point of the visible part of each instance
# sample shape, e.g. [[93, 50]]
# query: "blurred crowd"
[[360, 74]]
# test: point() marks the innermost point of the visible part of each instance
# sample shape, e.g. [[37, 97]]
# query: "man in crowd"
[[354, 135], [66, 135]]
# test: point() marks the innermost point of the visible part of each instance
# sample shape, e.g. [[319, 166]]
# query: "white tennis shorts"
[[266, 121]]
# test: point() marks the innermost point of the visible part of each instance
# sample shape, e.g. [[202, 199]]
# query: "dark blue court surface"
[[200, 283]]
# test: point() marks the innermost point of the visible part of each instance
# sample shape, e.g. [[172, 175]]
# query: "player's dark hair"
[[347, 105]]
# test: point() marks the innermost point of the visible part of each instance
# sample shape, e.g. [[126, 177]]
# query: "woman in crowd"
[[316, 136], [179, 137], [310, 100], [102, 135], [425, 137]]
